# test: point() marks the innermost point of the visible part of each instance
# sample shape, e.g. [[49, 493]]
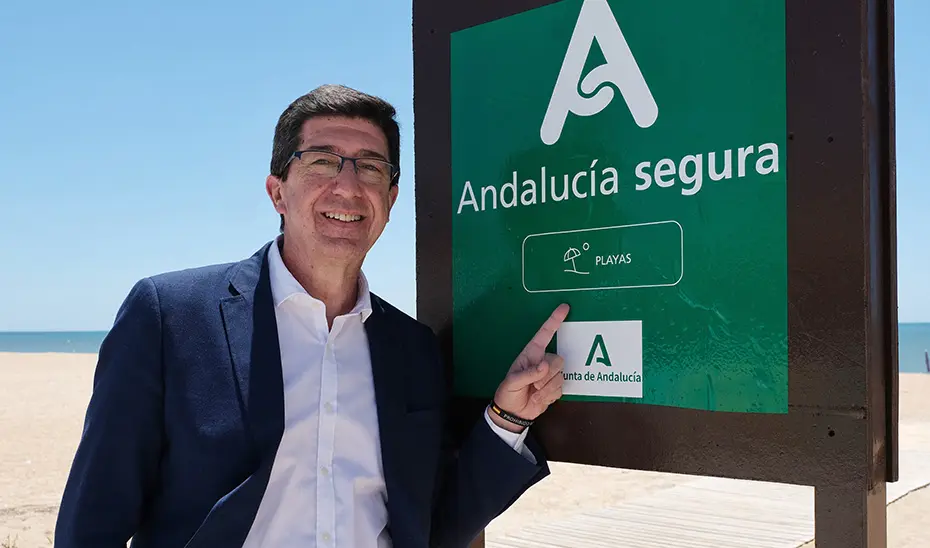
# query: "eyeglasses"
[[321, 163]]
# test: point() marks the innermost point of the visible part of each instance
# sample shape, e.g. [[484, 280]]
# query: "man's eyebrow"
[[367, 153]]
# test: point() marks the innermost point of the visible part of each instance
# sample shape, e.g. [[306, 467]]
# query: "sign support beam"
[[850, 517]]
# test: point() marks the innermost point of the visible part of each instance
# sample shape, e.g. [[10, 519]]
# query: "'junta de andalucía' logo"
[[597, 22], [598, 352]]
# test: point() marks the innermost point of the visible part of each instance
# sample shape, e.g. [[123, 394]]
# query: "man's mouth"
[[344, 217]]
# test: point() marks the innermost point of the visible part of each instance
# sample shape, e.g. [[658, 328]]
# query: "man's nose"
[[346, 181]]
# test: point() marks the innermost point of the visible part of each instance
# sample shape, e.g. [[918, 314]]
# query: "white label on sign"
[[602, 358]]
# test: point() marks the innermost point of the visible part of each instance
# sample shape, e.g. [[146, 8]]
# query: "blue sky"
[[135, 139]]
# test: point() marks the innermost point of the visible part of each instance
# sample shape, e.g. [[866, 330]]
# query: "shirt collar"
[[284, 285]]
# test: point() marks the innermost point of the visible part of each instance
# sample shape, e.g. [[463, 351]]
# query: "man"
[[277, 402]]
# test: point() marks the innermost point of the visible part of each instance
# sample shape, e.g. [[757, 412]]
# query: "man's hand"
[[535, 380]]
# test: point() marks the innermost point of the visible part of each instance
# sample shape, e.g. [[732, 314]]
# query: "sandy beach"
[[44, 397]]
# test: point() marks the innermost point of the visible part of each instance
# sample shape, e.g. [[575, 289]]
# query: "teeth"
[[343, 217]]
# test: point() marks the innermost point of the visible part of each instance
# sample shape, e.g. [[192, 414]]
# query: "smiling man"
[[277, 402]]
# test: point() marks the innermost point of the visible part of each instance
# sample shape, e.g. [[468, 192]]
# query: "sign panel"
[[627, 158]]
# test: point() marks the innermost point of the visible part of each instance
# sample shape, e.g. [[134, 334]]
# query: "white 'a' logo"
[[596, 21]]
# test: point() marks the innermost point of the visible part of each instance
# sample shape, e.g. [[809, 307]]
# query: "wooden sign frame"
[[840, 434]]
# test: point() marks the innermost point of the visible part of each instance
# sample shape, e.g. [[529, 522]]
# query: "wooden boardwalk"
[[703, 513]]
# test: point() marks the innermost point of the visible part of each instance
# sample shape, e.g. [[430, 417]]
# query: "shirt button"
[[328, 407], [326, 537], [325, 471]]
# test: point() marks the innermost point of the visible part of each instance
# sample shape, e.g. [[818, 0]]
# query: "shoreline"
[[49, 353]]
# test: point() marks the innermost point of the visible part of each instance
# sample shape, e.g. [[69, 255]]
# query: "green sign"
[[627, 158]]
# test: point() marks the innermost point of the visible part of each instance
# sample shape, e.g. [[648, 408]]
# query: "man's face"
[[337, 217]]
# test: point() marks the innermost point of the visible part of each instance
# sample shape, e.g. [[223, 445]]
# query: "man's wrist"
[[503, 423], [515, 440]]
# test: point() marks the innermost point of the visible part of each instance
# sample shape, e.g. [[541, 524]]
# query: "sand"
[[44, 397]]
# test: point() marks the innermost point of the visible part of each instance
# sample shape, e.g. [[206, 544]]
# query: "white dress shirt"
[[327, 484]]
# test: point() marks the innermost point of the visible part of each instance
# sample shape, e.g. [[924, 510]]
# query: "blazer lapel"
[[390, 401], [251, 331], [252, 334]]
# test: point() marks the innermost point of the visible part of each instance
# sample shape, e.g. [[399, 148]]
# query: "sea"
[[913, 341]]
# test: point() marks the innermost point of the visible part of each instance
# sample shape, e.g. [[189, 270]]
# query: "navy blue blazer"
[[187, 412]]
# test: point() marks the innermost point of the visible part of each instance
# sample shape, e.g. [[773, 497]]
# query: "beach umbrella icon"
[[570, 255]]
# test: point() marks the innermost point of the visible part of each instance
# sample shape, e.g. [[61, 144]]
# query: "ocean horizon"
[[913, 341]]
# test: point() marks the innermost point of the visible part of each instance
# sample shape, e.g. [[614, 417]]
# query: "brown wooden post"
[[850, 516]]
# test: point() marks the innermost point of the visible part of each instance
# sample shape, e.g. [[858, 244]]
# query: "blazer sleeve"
[[478, 479], [115, 468]]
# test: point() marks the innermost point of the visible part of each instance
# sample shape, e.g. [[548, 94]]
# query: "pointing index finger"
[[542, 337]]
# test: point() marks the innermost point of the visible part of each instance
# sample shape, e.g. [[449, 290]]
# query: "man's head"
[[336, 213]]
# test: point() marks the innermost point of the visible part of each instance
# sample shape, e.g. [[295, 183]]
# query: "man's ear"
[[274, 190]]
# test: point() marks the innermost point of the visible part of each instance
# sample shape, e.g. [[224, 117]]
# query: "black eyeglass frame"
[[392, 180]]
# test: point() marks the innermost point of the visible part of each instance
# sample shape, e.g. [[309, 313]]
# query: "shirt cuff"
[[513, 439]]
